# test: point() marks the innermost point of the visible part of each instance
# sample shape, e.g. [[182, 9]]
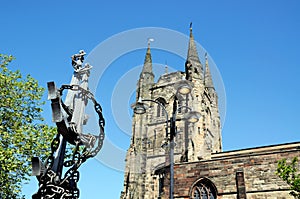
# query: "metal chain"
[[46, 180], [98, 110], [67, 187]]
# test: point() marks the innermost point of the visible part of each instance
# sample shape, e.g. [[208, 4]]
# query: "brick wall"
[[258, 166]]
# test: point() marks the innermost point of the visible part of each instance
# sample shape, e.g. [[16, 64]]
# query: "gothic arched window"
[[204, 189]]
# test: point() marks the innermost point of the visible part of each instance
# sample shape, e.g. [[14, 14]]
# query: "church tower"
[[146, 158]]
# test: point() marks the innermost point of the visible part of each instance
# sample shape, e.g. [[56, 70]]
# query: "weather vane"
[[69, 116], [150, 40]]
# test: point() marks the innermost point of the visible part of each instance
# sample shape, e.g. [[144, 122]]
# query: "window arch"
[[160, 111], [203, 189]]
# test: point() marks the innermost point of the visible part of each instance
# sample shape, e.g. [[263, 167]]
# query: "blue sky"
[[255, 45]]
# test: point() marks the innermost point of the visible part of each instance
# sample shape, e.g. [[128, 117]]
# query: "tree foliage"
[[22, 134], [290, 173]]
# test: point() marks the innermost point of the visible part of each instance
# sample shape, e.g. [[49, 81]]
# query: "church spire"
[[146, 80], [192, 50], [207, 78], [194, 67], [147, 68]]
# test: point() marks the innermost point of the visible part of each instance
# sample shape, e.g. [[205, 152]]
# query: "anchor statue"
[[69, 116]]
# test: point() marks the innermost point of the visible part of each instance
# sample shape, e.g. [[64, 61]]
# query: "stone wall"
[[258, 166]]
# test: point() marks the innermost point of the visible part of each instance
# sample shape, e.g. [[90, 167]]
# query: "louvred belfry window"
[[159, 109]]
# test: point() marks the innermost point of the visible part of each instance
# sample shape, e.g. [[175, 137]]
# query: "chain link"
[[66, 188]]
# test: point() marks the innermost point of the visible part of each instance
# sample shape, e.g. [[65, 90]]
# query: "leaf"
[[289, 172], [22, 135]]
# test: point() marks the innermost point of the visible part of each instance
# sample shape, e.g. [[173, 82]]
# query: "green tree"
[[22, 134], [289, 172]]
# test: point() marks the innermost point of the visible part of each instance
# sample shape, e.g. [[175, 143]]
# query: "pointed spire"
[[193, 64], [148, 60], [207, 78], [192, 50], [146, 77]]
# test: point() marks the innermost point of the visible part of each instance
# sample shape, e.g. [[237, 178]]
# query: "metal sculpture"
[[69, 116]]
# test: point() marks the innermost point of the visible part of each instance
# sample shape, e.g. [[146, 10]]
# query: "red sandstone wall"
[[259, 173]]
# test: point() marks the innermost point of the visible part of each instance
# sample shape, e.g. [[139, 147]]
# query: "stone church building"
[[201, 169]]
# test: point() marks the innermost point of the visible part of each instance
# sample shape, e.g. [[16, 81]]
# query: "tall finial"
[[207, 76], [166, 68], [206, 65], [191, 25]]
